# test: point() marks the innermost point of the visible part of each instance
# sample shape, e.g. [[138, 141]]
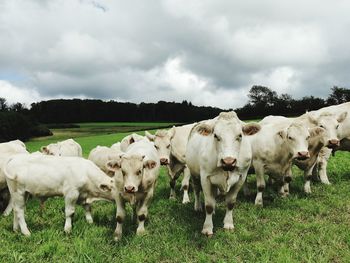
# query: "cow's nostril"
[[129, 189], [228, 161]]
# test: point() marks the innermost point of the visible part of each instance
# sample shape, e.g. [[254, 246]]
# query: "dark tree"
[[338, 96], [260, 95], [3, 104]]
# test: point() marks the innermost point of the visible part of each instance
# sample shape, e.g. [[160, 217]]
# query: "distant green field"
[[96, 133], [300, 228]]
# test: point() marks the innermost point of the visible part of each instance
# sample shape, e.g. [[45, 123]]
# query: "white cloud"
[[15, 94], [209, 52]]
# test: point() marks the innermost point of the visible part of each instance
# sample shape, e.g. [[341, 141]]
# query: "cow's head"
[[51, 149], [129, 171], [296, 138], [128, 140], [162, 143], [227, 132], [329, 122]]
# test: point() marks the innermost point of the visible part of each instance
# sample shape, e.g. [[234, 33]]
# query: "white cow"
[[340, 112], [325, 136], [101, 155], [74, 178], [128, 140], [177, 163], [274, 148], [219, 155], [67, 147], [7, 150], [171, 148], [135, 177]]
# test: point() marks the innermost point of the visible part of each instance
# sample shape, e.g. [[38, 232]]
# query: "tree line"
[[20, 122]]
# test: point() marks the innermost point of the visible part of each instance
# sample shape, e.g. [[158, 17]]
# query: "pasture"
[[300, 228]]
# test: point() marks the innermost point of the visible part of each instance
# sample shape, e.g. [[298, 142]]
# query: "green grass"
[[300, 228]]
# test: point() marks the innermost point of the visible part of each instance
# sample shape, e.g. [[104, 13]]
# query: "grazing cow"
[[101, 155], [64, 148], [136, 174], [7, 150], [74, 178], [128, 140], [274, 148], [218, 156]]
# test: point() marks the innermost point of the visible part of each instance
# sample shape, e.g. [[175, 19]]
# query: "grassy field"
[[300, 228]]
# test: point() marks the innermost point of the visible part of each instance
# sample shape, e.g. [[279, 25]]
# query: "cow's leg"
[[308, 174], [120, 216], [285, 185], [142, 213], [324, 157], [260, 183], [174, 171], [88, 216], [70, 200], [8, 209], [246, 190], [209, 200], [185, 185], [196, 184], [19, 207], [231, 197]]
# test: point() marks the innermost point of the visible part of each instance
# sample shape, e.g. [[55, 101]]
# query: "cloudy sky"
[[207, 52]]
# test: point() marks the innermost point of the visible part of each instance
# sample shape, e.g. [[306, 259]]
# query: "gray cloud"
[[208, 52]]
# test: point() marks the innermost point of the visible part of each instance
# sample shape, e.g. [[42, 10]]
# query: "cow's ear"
[[44, 149], [204, 129], [251, 128], [316, 131], [150, 137], [113, 166], [282, 134], [172, 132], [150, 164], [105, 188], [311, 118], [342, 116]]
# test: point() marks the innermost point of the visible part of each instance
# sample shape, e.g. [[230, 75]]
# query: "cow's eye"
[[216, 137], [124, 173], [322, 126], [239, 137], [337, 126], [168, 146], [156, 147], [290, 138], [138, 172], [308, 137]]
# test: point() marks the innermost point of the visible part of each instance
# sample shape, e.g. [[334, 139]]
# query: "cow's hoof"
[[229, 227], [140, 232], [185, 200], [259, 203], [68, 230], [198, 208], [89, 220], [26, 233], [207, 232], [307, 190], [326, 182], [172, 197]]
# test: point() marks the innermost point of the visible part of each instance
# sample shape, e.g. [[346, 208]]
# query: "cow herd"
[[215, 155]]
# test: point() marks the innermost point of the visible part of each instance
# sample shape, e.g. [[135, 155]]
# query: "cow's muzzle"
[[228, 163], [303, 155], [333, 143], [164, 161]]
